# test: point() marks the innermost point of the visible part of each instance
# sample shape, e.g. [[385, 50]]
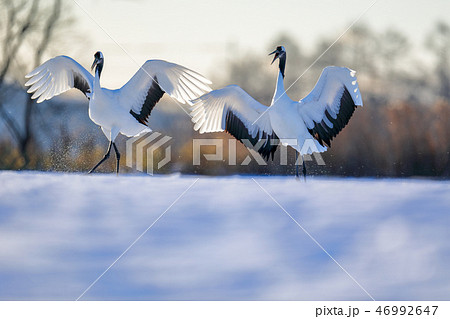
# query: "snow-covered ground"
[[225, 238]]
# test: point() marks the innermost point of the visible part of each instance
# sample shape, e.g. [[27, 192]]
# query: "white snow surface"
[[225, 239]]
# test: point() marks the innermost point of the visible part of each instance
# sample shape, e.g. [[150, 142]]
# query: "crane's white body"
[[106, 111], [285, 120]]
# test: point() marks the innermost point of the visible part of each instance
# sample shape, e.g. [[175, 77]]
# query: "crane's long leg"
[[117, 157], [304, 169], [296, 165], [103, 159]]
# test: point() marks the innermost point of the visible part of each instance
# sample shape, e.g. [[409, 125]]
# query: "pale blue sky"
[[202, 34]]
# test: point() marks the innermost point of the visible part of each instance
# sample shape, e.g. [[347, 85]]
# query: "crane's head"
[[98, 59], [279, 52]]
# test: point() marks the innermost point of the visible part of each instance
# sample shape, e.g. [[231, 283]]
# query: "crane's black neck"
[[282, 64], [99, 68]]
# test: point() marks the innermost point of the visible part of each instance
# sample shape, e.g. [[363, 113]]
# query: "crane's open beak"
[[94, 64], [276, 55]]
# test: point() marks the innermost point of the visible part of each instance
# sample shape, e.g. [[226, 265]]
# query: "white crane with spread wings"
[[319, 117], [125, 110]]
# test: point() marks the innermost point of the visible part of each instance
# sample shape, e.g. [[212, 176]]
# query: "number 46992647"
[[407, 310]]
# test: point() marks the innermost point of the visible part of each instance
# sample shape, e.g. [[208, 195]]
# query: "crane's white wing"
[[156, 77], [327, 109], [232, 110], [56, 76]]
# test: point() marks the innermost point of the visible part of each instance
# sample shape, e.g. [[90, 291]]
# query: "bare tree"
[[19, 21], [392, 46], [439, 43], [24, 20]]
